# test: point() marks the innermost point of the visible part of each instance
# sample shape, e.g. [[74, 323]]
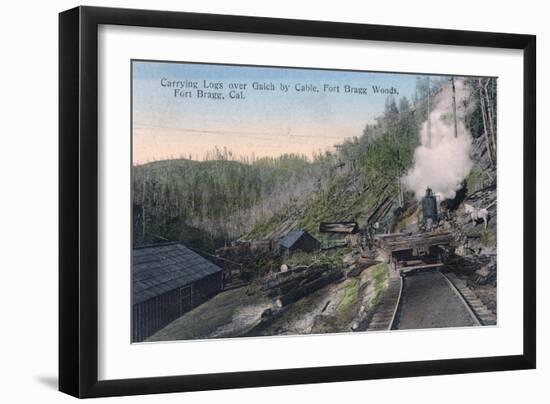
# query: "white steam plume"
[[442, 160]]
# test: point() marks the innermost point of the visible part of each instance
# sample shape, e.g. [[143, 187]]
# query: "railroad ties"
[[485, 316], [385, 310], [453, 301]]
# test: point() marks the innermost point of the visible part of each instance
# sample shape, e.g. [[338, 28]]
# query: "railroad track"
[[428, 300], [387, 308], [485, 316]]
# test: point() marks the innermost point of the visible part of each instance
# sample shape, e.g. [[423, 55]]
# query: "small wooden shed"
[[298, 240], [339, 232], [168, 279]]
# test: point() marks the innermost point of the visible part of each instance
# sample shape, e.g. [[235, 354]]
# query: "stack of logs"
[[295, 283], [480, 269]]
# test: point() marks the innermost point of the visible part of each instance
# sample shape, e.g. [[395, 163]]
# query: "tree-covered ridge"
[[209, 203], [373, 164], [216, 199], [356, 175], [367, 169]]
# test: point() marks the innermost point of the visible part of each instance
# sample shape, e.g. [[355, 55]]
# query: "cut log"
[[361, 265], [296, 282], [280, 281], [309, 287], [297, 269], [235, 285]]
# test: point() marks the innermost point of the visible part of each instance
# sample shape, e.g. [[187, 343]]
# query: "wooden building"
[[263, 246], [168, 279], [248, 247], [339, 233], [298, 240]]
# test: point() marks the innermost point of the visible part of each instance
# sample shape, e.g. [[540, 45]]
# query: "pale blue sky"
[[266, 123]]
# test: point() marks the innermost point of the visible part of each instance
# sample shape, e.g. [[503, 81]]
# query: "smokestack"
[[429, 209]]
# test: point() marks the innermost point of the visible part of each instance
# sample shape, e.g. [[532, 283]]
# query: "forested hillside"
[[208, 203], [364, 173]]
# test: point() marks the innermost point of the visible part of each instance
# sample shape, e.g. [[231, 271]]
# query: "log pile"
[[484, 196], [358, 267], [470, 263], [309, 286], [487, 275], [296, 283], [479, 269]]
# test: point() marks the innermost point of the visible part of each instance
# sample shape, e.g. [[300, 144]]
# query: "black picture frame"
[[78, 200]]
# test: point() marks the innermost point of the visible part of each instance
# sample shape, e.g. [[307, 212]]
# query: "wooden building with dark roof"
[[298, 240], [337, 234], [168, 279]]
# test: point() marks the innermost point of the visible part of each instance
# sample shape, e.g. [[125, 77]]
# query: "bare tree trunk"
[[454, 105], [485, 130], [491, 117], [143, 209], [400, 189], [429, 123]]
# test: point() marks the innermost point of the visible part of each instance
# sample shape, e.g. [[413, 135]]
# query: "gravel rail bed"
[[428, 301]]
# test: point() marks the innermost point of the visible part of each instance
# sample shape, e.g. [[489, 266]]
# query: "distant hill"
[[212, 200], [209, 203]]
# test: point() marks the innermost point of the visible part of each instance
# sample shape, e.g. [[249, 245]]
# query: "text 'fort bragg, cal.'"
[[219, 90]]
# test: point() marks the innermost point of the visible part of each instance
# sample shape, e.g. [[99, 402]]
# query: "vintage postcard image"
[[273, 201]]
